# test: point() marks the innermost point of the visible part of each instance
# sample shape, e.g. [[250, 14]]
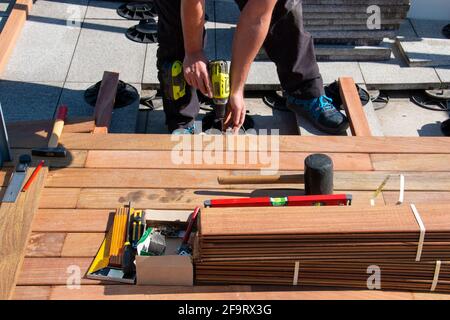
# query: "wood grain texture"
[[126, 292], [183, 199], [105, 102], [238, 292], [327, 144], [226, 160], [391, 197], [55, 271], [64, 198], [45, 244], [353, 108], [206, 179], [306, 220], [12, 29], [72, 220], [15, 228], [411, 162], [32, 293], [82, 244]]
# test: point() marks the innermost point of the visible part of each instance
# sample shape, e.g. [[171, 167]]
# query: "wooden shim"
[[207, 179], [53, 271], [105, 102], [15, 227], [71, 125], [82, 244], [353, 108], [411, 162], [45, 244], [11, 30], [229, 160], [321, 144], [70, 220]]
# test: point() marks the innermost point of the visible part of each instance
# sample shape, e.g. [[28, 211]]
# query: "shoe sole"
[[339, 130]]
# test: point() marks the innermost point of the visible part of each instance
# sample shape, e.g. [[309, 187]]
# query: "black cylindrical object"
[[318, 174]]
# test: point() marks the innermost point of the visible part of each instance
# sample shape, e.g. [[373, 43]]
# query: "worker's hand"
[[195, 67], [235, 112]]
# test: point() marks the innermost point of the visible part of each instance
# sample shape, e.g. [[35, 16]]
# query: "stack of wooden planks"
[[326, 246], [353, 22]]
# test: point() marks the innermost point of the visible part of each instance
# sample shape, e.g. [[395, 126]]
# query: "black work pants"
[[288, 45]]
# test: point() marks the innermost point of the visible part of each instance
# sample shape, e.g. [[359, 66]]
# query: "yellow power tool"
[[220, 80], [175, 85]]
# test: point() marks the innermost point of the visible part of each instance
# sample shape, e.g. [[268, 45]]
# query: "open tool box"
[[173, 267], [149, 247]]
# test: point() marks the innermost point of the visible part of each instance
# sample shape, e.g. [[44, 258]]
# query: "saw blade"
[[14, 187]]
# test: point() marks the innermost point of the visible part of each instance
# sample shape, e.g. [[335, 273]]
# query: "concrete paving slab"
[[73, 96], [5, 7], [59, 11], [444, 75], [123, 120], [401, 117], [421, 52], [103, 10], [266, 118], [333, 70], [429, 28], [103, 46], [395, 74], [29, 101], [42, 53]]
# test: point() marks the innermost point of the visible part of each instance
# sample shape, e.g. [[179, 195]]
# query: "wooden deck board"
[[166, 160], [207, 179], [328, 144], [55, 271], [109, 170]]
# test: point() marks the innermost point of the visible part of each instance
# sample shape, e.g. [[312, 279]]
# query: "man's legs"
[[182, 112], [291, 48]]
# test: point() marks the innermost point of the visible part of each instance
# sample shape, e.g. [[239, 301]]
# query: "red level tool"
[[319, 200]]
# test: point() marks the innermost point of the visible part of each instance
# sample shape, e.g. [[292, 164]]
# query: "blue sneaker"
[[188, 130], [321, 113]]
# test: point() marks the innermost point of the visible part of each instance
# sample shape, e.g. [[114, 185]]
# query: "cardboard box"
[[170, 269]]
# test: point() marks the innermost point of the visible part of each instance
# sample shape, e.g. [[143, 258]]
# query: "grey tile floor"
[[67, 44]]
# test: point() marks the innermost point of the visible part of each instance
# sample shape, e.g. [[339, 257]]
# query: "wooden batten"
[[353, 107], [105, 102], [12, 29]]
